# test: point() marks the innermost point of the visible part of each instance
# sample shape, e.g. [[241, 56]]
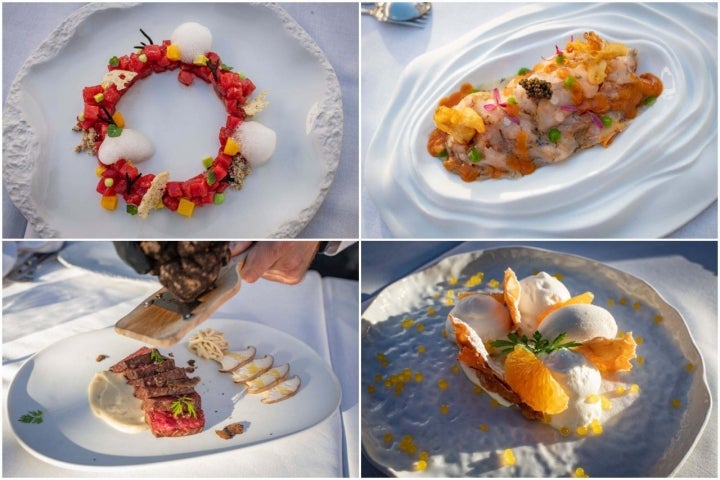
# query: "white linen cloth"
[[334, 28], [63, 302], [387, 49], [688, 286]]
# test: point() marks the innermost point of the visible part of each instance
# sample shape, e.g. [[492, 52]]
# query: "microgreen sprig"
[[182, 404], [33, 416], [154, 355], [536, 344]]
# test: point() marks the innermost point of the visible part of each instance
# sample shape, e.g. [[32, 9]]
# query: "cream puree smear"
[[112, 399]]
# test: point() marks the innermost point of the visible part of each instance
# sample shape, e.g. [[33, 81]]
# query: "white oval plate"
[[54, 187], [56, 381], [650, 438], [656, 176]]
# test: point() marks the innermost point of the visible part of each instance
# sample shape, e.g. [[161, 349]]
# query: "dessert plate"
[[71, 436], [54, 187], [465, 434], [656, 175]]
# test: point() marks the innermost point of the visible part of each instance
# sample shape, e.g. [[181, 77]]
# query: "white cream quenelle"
[[538, 293]]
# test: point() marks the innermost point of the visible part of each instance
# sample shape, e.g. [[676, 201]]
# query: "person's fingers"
[[236, 248], [258, 261]]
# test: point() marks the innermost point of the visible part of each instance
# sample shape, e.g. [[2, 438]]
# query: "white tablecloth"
[[388, 49], [62, 302], [333, 27], [690, 286]]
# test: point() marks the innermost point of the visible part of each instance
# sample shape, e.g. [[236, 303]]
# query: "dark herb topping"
[[143, 44], [108, 116], [33, 416], [536, 344], [536, 88], [214, 68]]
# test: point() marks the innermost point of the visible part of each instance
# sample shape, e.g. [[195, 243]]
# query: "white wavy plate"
[[56, 379], [55, 188], [657, 175], [649, 438]]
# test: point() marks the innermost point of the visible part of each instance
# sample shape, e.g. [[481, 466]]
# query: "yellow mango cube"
[[185, 207], [119, 119], [109, 202], [99, 170], [232, 147], [200, 60], [173, 52]]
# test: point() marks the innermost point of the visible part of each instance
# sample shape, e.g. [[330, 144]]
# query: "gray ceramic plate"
[[649, 438]]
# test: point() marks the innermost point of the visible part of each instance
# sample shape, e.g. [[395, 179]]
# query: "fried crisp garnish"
[[609, 354], [586, 297], [120, 78], [499, 296], [153, 196], [459, 122], [511, 293], [256, 105], [594, 52]]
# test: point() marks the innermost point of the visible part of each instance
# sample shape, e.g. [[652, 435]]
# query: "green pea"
[[569, 81], [523, 71], [512, 100], [554, 135], [560, 59], [131, 209], [606, 120], [442, 154], [649, 101], [218, 198], [114, 61], [474, 155]]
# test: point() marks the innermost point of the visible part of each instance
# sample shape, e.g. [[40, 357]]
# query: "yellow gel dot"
[[657, 319], [444, 333], [371, 389], [449, 301], [689, 367], [581, 430], [640, 359], [420, 465], [592, 398], [636, 306], [493, 283], [384, 362], [620, 390], [388, 383], [454, 368], [605, 403], [579, 473], [478, 389], [559, 276], [424, 455], [442, 384], [380, 356], [494, 403], [639, 340], [611, 302], [420, 327], [431, 311], [378, 377], [450, 293], [398, 389], [623, 301], [596, 427], [421, 349], [484, 427], [418, 377], [507, 458], [444, 409], [676, 403], [634, 388], [407, 323], [388, 438], [453, 281], [620, 334], [564, 431]]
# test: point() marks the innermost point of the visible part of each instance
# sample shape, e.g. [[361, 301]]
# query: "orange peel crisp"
[[610, 354], [511, 293], [586, 297]]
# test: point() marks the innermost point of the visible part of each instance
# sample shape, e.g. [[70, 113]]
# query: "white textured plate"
[[657, 175], [56, 380], [99, 257], [54, 187], [649, 438]]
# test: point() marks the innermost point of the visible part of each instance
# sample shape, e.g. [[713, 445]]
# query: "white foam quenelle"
[[130, 145], [257, 142], [192, 39]]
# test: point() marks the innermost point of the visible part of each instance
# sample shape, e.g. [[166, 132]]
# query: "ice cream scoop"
[[579, 322], [537, 293], [485, 315]]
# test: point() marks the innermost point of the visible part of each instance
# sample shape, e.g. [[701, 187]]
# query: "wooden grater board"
[[153, 324]]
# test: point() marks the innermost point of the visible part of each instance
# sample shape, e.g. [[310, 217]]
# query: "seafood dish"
[[580, 97], [555, 356]]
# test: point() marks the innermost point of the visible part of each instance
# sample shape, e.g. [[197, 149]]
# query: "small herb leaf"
[[33, 416], [182, 404], [537, 344]]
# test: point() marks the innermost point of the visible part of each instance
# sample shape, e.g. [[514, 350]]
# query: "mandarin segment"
[[534, 383]]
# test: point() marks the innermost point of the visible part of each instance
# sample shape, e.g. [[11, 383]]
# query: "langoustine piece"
[[582, 96]]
